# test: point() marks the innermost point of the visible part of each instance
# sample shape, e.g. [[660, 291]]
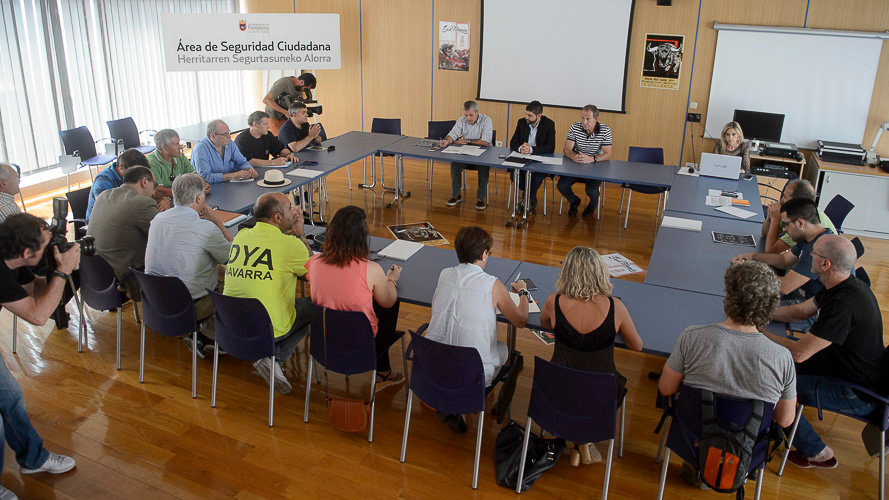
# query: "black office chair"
[[862, 275], [380, 126], [837, 210], [643, 155], [437, 130], [78, 201], [859, 247], [125, 133], [79, 142]]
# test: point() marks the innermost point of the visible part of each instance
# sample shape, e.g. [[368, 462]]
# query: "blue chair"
[[168, 309], [244, 330], [343, 342], [859, 247], [79, 142], [125, 133], [861, 274], [879, 418], [684, 409], [98, 289], [837, 210], [437, 130], [450, 379], [556, 408], [643, 155], [380, 126]]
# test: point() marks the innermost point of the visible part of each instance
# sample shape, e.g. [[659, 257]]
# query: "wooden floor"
[[152, 440]]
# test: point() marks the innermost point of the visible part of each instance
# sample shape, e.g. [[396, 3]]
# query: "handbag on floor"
[[542, 455]]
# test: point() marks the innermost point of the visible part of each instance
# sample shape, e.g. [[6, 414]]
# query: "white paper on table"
[[684, 171], [718, 201], [286, 165], [400, 249], [532, 304], [680, 223], [235, 220], [464, 149], [241, 180], [618, 265], [718, 192], [737, 212], [304, 172]]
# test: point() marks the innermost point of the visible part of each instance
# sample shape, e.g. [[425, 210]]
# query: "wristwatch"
[[60, 274], [525, 292]]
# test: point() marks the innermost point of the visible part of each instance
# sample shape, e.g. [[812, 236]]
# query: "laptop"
[[725, 166]]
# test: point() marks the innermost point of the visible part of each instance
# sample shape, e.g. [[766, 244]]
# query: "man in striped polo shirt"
[[588, 141]]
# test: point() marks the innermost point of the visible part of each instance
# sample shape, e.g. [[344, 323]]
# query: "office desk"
[[690, 260], [350, 147], [689, 195], [240, 196], [195, 132]]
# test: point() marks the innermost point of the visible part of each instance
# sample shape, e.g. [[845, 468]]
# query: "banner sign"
[[217, 42]]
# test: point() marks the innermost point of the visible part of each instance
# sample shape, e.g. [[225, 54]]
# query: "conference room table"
[[689, 195], [195, 132], [239, 196]]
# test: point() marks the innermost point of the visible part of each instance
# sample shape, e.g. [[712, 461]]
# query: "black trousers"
[[387, 320]]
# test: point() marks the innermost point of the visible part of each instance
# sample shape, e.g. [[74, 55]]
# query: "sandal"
[[389, 379]]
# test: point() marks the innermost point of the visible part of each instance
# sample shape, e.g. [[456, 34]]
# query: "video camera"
[[59, 228], [307, 99]]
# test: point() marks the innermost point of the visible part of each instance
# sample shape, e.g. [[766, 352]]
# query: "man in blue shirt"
[[112, 176], [217, 158]]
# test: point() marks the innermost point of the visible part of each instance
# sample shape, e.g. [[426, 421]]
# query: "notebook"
[[229, 218], [400, 249]]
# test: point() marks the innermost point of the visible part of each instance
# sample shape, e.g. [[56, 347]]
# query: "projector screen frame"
[[623, 99]]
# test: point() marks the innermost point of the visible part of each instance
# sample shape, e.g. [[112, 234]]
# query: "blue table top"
[[616, 171], [691, 260], [407, 146], [240, 196], [689, 195], [350, 147]]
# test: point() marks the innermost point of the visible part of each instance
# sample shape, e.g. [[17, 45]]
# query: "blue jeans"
[[590, 186], [17, 428], [833, 397]]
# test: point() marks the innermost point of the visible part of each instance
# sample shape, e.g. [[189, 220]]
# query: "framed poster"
[[662, 61]]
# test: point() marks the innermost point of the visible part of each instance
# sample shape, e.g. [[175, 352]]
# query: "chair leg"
[[664, 432], [142, 354], [494, 172], [119, 320], [309, 389], [194, 365], [544, 196], [407, 424], [317, 371], [627, 215], [623, 423], [518, 483], [759, 473], [431, 173], [136, 311], [620, 207], [799, 413], [81, 330], [373, 404], [215, 374], [15, 333], [272, 391], [407, 378], [664, 466], [608, 469], [349, 177], [882, 465], [478, 449], [601, 204]]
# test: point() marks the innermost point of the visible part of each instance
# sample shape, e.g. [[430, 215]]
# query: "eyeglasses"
[[817, 254], [784, 223]]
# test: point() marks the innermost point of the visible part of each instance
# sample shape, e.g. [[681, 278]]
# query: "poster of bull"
[[453, 46], [662, 61]]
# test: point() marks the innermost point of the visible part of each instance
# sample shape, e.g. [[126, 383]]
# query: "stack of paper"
[[737, 212], [465, 149], [618, 265], [680, 223], [532, 305], [304, 172], [400, 249]]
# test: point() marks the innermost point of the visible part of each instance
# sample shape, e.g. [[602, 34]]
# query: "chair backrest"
[[323, 134], [446, 377], [243, 327], [439, 129], [386, 126], [859, 246], [646, 155], [862, 275], [167, 307], [687, 418], [349, 346], [556, 403], [79, 139], [837, 210], [78, 201], [98, 284], [493, 137], [125, 129]]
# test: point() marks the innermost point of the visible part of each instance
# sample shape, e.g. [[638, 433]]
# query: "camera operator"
[[284, 92], [23, 240]]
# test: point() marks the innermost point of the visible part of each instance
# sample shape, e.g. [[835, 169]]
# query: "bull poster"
[[453, 46], [662, 61]]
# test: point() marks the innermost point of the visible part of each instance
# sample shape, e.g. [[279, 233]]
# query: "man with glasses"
[[9, 187], [799, 217], [845, 342], [120, 222], [168, 161], [777, 240], [217, 158]]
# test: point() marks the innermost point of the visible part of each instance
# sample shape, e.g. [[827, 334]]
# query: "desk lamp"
[[871, 153]]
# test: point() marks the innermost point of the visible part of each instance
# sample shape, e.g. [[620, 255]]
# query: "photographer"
[[285, 92], [23, 240]]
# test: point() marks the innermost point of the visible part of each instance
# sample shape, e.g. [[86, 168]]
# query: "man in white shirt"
[[471, 128]]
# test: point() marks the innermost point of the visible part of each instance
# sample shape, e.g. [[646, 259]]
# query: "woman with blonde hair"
[[585, 319], [731, 142]]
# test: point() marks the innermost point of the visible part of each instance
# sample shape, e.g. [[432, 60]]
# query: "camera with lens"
[[307, 100], [59, 228]]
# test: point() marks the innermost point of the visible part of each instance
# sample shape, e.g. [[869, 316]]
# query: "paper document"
[[304, 172], [400, 249], [680, 223], [532, 306], [618, 265], [241, 180], [229, 218], [737, 212], [549, 160], [465, 149], [286, 165]]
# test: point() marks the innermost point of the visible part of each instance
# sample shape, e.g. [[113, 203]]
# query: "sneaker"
[[480, 205], [797, 459], [392, 378], [589, 210], [572, 209], [453, 201], [282, 385], [209, 347], [55, 464], [6, 494], [201, 347]]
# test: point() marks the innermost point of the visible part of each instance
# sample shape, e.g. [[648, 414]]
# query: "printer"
[[782, 150]]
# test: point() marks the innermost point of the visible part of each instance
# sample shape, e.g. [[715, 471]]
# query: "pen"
[[517, 277]]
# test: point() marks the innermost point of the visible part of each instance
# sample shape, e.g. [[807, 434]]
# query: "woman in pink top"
[[342, 278]]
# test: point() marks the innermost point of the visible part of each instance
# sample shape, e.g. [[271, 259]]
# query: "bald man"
[[264, 263], [9, 187], [846, 342]]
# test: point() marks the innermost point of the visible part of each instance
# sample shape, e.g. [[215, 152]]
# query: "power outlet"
[[691, 164], [694, 117], [498, 144]]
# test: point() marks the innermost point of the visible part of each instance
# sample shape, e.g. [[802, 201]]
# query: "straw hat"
[[272, 179]]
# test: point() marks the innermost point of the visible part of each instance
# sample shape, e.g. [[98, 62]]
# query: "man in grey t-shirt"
[[733, 358], [285, 92]]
